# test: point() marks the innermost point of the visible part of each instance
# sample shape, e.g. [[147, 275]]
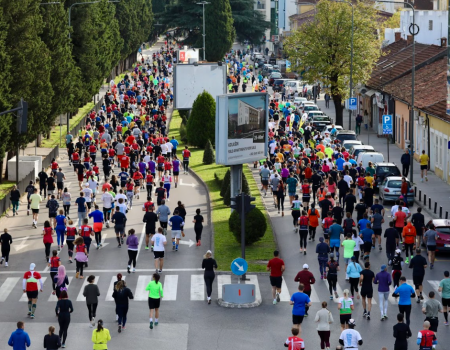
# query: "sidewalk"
[[435, 189]]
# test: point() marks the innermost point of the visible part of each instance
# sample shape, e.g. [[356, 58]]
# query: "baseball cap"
[[86, 185], [351, 322], [331, 255], [305, 266], [383, 267], [32, 266], [398, 251]]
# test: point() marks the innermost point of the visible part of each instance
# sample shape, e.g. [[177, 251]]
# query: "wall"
[[439, 153], [401, 124], [430, 32], [286, 8], [264, 7]]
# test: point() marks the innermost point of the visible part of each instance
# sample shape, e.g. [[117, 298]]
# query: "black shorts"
[[176, 173], [367, 293], [276, 281], [33, 295], [35, 211], [423, 167], [89, 204], [367, 246], [431, 248], [60, 185], [265, 182], [306, 199], [119, 229], [434, 322], [158, 255], [345, 318], [297, 319], [52, 215], [163, 224], [417, 281], [123, 184], [326, 236], [160, 168], [377, 231], [445, 301], [153, 303], [150, 231]]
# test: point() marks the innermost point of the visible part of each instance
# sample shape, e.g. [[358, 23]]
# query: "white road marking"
[[338, 290], [197, 287], [435, 285], [253, 279], [221, 280], [170, 287], [22, 244], [24, 295], [140, 293], [141, 241], [7, 287], [284, 295]]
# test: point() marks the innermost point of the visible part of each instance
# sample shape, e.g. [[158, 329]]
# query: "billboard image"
[[241, 128], [190, 81]]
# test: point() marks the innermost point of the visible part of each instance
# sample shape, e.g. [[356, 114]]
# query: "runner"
[[430, 240], [186, 155], [426, 338], [81, 256], [34, 201], [121, 295], [431, 309], [305, 278], [209, 264], [418, 264], [300, 302], [155, 294], [444, 288], [294, 342], [350, 338], [332, 271], [276, 267], [401, 334], [30, 286], [47, 239], [163, 213], [54, 262], [198, 226], [5, 242], [383, 279], [405, 292], [176, 222], [119, 219], [176, 167], [345, 308], [353, 271], [133, 248]]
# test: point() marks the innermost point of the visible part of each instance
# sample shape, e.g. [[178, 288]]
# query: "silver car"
[[390, 190]]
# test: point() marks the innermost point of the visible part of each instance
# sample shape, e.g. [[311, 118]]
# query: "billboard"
[[190, 80], [185, 54], [241, 128]]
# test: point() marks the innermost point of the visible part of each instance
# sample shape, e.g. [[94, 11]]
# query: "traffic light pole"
[[243, 277]]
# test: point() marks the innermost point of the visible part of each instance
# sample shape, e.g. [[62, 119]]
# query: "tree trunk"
[[337, 99]]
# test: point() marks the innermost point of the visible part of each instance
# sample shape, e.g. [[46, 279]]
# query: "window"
[[260, 6], [441, 159], [430, 24]]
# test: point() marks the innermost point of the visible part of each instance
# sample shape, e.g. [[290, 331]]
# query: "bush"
[[208, 154], [255, 226], [218, 179], [227, 195], [183, 133], [184, 116], [201, 125], [245, 186], [225, 183]]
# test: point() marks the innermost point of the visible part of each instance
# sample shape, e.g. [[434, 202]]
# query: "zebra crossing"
[[175, 288]]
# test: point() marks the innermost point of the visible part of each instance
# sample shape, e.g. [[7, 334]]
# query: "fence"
[[47, 160], [5, 203]]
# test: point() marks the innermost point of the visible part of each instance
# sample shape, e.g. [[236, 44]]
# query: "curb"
[[222, 303]]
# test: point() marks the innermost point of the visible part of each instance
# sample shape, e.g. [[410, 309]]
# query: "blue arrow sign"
[[387, 124], [352, 103], [239, 266]]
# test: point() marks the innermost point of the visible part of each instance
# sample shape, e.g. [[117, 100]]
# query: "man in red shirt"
[[186, 156], [125, 162], [294, 342], [276, 268], [306, 278], [30, 286]]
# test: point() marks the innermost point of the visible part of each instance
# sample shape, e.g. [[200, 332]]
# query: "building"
[[264, 6]]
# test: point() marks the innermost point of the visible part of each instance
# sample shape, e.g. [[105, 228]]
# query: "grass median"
[[226, 248], [54, 139]]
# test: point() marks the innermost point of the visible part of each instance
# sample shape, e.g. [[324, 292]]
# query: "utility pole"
[[203, 3]]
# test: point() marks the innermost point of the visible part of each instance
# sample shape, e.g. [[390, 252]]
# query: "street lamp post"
[[412, 31], [70, 17], [203, 3]]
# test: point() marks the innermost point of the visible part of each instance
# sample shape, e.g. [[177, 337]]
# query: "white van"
[[296, 86], [366, 157], [356, 149]]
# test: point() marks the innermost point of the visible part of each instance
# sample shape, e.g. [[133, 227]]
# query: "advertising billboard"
[[185, 55], [241, 128], [190, 80]]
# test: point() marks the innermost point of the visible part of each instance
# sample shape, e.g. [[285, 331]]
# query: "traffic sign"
[[239, 266], [387, 124], [352, 103]]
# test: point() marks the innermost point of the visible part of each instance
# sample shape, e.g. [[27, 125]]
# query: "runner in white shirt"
[[169, 149], [108, 200], [93, 185], [394, 209], [158, 242], [88, 196], [350, 338], [164, 149], [120, 195]]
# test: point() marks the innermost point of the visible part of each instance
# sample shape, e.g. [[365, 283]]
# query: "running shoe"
[[156, 323], [159, 271], [431, 266], [382, 318], [368, 317], [379, 247], [364, 314], [63, 345], [445, 323], [386, 317], [77, 275], [134, 270], [29, 313], [146, 247], [128, 269], [304, 252], [331, 297], [278, 297], [274, 301], [173, 247], [32, 316], [120, 329], [151, 325], [98, 246], [336, 295]]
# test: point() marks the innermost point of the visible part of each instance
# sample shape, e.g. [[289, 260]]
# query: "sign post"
[[387, 129], [352, 103]]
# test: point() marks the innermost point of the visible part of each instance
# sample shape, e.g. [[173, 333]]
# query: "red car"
[[443, 230]]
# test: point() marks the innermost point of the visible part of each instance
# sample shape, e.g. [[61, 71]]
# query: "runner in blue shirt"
[[60, 229], [334, 233], [299, 300], [176, 222], [97, 215], [406, 292], [123, 176]]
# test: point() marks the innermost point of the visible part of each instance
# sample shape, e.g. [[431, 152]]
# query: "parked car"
[[390, 189], [349, 143], [298, 101], [278, 84], [356, 149], [274, 76], [442, 227], [383, 170], [366, 157], [344, 135], [308, 108], [296, 85], [312, 114], [321, 121], [328, 129]]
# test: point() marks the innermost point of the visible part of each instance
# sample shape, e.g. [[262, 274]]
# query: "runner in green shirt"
[[35, 199], [155, 294], [444, 288]]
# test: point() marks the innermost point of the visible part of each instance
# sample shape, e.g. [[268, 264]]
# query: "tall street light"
[[203, 3], [413, 32]]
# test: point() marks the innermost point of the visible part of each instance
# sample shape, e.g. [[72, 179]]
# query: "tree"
[[201, 125], [30, 76], [96, 44], [250, 24], [219, 29], [255, 226], [65, 75], [208, 154], [321, 47]]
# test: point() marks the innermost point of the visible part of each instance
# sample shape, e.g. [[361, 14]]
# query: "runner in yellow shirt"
[[424, 165]]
